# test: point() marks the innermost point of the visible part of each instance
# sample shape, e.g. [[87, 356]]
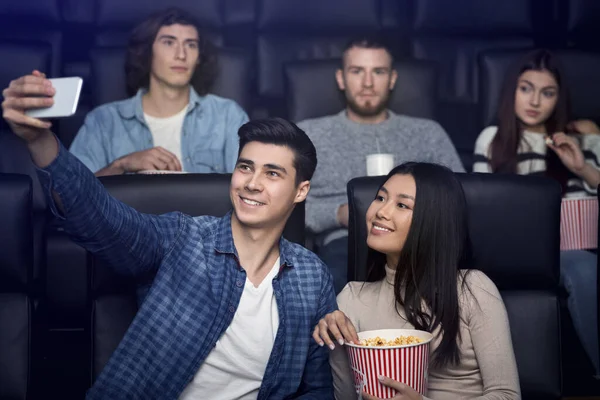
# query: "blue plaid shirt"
[[194, 296]]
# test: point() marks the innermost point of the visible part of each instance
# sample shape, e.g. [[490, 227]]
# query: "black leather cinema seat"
[[113, 297], [16, 270], [505, 213], [581, 20], [312, 89], [33, 22], [109, 83], [581, 76], [20, 59], [114, 19]]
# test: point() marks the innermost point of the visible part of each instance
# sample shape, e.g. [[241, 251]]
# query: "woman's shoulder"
[[487, 135], [476, 287]]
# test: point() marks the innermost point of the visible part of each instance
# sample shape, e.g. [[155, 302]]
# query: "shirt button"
[[239, 283], [187, 159], [231, 309]]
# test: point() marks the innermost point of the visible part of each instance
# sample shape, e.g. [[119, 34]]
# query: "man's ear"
[[339, 77], [302, 191], [393, 79]]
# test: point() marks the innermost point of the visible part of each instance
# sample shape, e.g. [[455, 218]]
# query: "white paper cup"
[[379, 164], [408, 364]]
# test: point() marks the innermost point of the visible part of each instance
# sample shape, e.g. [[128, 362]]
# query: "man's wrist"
[[43, 149], [118, 166]]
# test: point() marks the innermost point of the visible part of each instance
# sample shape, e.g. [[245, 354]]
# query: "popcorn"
[[398, 341]]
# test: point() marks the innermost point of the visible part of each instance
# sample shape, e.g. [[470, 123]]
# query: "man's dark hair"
[[281, 132], [368, 42], [138, 61]]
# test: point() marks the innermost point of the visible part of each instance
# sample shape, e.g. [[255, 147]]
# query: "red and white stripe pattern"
[[404, 364], [579, 224]]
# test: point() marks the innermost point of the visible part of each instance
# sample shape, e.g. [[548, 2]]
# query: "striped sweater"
[[532, 157]]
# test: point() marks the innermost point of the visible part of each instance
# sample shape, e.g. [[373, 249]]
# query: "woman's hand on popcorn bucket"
[[335, 325], [403, 391]]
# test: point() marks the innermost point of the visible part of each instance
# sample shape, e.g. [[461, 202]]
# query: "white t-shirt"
[[166, 132], [234, 369]]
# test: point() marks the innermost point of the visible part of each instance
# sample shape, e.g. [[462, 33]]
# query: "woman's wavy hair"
[[138, 62]]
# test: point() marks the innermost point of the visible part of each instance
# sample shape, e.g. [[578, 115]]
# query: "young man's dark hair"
[[281, 132], [138, 61]]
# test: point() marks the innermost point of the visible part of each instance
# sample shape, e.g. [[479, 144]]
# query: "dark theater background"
[[53, 348]]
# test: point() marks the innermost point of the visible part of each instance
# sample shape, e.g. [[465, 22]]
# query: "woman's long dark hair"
[[138, 61], [436, 247], [504, 147]]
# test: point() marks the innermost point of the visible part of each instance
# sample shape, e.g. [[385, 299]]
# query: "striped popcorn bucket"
[[579, 223], [408, 364]]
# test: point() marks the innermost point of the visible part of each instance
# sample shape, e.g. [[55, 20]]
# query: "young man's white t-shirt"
[[166, 132], [234, 369]]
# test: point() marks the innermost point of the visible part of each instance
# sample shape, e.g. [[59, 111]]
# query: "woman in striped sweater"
[[534, 136]]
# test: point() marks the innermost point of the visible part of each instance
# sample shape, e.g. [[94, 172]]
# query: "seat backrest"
[[15, 159], [514, 224], [114, 19], [16, 269], [312, 92], [113, 297], [580, 69], [581, 20], [33, 22], [24, 57], [109, 81]]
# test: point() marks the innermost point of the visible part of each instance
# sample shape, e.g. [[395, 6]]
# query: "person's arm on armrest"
[[317, 381]]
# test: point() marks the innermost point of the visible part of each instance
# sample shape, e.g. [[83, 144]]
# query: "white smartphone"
[[66, 99]]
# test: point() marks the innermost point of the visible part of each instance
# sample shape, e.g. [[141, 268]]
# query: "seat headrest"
[[512, 17], [47, 10], [192, 194], [109, 80], [312, 90], [581, 77], [317, 15], [118, 13], [24, 58]]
